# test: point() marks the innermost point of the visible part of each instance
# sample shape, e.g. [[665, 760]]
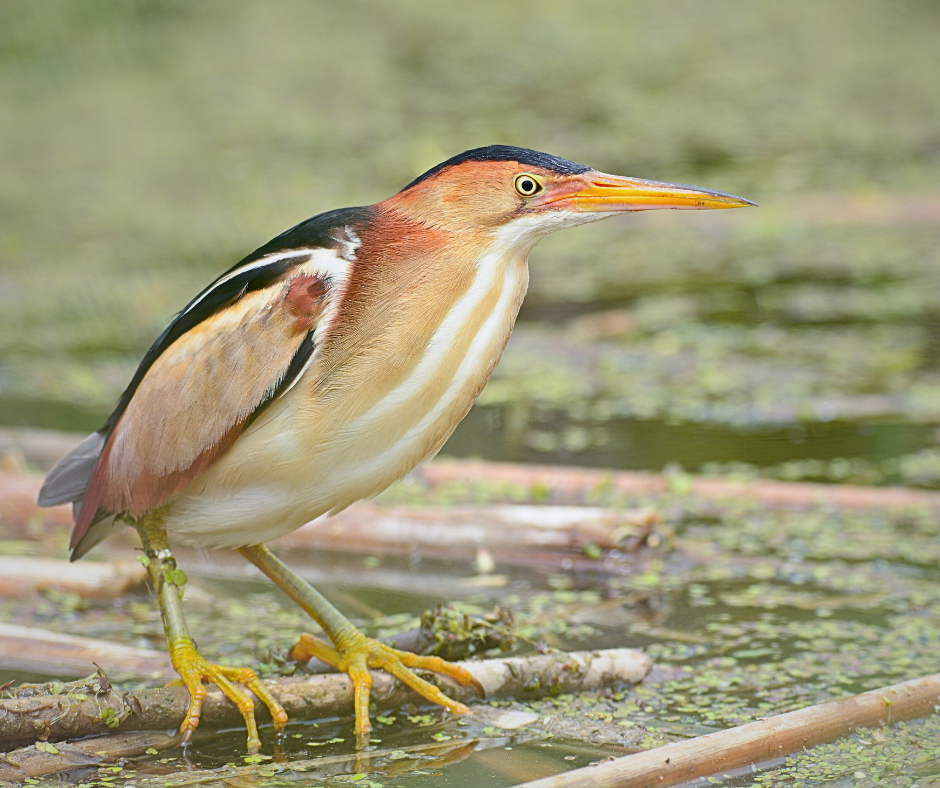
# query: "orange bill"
[[598, 192]]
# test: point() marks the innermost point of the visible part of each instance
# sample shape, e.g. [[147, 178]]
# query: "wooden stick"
[[456, 532], [22, 576], [85, 710], [565, 485], [756, 742], [42, 651]]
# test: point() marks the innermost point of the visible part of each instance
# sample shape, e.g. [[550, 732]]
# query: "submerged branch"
[[38, 761]]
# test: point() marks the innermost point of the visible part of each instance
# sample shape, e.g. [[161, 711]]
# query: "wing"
[[237, 347]]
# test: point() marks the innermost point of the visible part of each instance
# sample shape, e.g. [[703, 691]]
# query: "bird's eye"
[[527, 185]]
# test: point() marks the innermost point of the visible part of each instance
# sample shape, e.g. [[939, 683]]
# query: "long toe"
[[437, 665], [357, 654], [194, 670]]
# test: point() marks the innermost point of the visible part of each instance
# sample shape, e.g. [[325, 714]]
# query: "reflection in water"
[[635, 444]]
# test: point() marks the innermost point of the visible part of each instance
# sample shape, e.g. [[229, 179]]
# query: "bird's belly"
[[299, 464]]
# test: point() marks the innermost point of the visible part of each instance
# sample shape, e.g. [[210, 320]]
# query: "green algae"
[[903, 755], [915, 469]]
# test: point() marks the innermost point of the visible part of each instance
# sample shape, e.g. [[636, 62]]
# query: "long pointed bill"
[[598, 192]]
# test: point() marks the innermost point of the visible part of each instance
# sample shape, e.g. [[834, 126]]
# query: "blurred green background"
[[146, 146]]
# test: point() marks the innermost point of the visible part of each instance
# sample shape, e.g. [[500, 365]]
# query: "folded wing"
[[234, 350]]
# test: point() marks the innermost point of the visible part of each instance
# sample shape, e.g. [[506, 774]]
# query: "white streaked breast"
[[483, 353], [490, 268]]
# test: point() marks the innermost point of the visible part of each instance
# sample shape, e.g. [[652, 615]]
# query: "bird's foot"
[[355, 654], [194, 670]]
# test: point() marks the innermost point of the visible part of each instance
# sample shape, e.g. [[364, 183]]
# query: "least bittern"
[[319, 370]]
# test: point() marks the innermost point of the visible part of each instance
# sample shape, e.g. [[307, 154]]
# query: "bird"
[[319, 370]]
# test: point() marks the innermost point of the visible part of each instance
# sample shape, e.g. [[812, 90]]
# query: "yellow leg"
[[193, 668], [354, 653]]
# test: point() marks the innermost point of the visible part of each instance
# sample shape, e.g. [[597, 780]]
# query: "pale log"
[[70, 715], [564, 484], [756, 742], [22, 576], [460, 531], [41, 651]]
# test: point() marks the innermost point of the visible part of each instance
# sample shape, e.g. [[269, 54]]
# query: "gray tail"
[[67, 482]]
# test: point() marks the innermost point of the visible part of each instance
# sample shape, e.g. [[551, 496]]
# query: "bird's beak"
[[598, 192]]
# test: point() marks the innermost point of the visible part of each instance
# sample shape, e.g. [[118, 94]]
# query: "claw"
[[356, 654], [194, 670]]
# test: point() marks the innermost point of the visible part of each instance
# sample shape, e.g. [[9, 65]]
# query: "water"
[[651, 444]]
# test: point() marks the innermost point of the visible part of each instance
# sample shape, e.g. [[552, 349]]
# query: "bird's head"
[[532, 194]]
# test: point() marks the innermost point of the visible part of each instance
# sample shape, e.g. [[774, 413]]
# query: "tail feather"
[[97, 532], [66, 483]]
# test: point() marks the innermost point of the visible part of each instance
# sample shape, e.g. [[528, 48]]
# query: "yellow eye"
[[526, 185]]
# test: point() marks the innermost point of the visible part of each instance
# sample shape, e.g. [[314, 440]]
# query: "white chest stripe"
[[506, 259], [483, 350], [440, 345]]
